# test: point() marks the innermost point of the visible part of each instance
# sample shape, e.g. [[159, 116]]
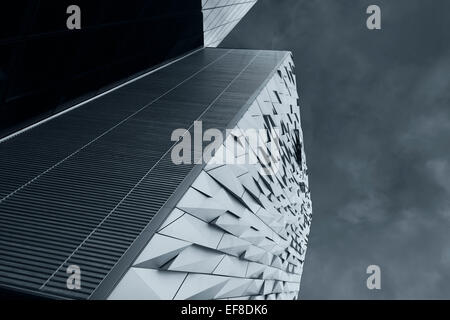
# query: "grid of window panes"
[[221, 16]]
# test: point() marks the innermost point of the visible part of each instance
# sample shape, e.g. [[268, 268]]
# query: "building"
[[220, 17], [95, 189], [46, 68]]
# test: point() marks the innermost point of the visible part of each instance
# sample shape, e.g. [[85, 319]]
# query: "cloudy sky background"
[[376, 119]]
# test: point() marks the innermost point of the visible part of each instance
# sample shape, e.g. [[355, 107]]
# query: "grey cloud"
[[376, 119]]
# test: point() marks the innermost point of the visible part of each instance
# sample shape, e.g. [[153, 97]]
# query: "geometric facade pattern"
[[221, 16], [241, 230], [90, 188], [94, 187]]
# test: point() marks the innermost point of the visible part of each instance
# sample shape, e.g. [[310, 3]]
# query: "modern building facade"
[[236, 233], [96, 188], [45, 68], [221, 16]]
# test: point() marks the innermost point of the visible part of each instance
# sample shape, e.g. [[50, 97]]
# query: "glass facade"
[[45, 67], [221, 16]]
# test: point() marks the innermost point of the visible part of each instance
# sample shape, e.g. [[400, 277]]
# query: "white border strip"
[[96, 97]]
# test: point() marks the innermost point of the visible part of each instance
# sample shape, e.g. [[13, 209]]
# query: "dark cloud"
[[375, 111]]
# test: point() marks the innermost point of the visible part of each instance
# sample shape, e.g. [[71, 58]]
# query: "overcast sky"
[[376, 119]]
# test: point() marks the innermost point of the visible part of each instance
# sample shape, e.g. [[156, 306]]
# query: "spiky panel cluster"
[[240, 231]]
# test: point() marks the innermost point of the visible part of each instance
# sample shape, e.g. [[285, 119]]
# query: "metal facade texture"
[[91, 186], [241, 230], [221, 16]]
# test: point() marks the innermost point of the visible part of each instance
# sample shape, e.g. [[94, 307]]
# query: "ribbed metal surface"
[[81, 188]]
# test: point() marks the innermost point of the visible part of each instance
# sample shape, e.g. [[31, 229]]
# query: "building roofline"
[[104, 92]]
